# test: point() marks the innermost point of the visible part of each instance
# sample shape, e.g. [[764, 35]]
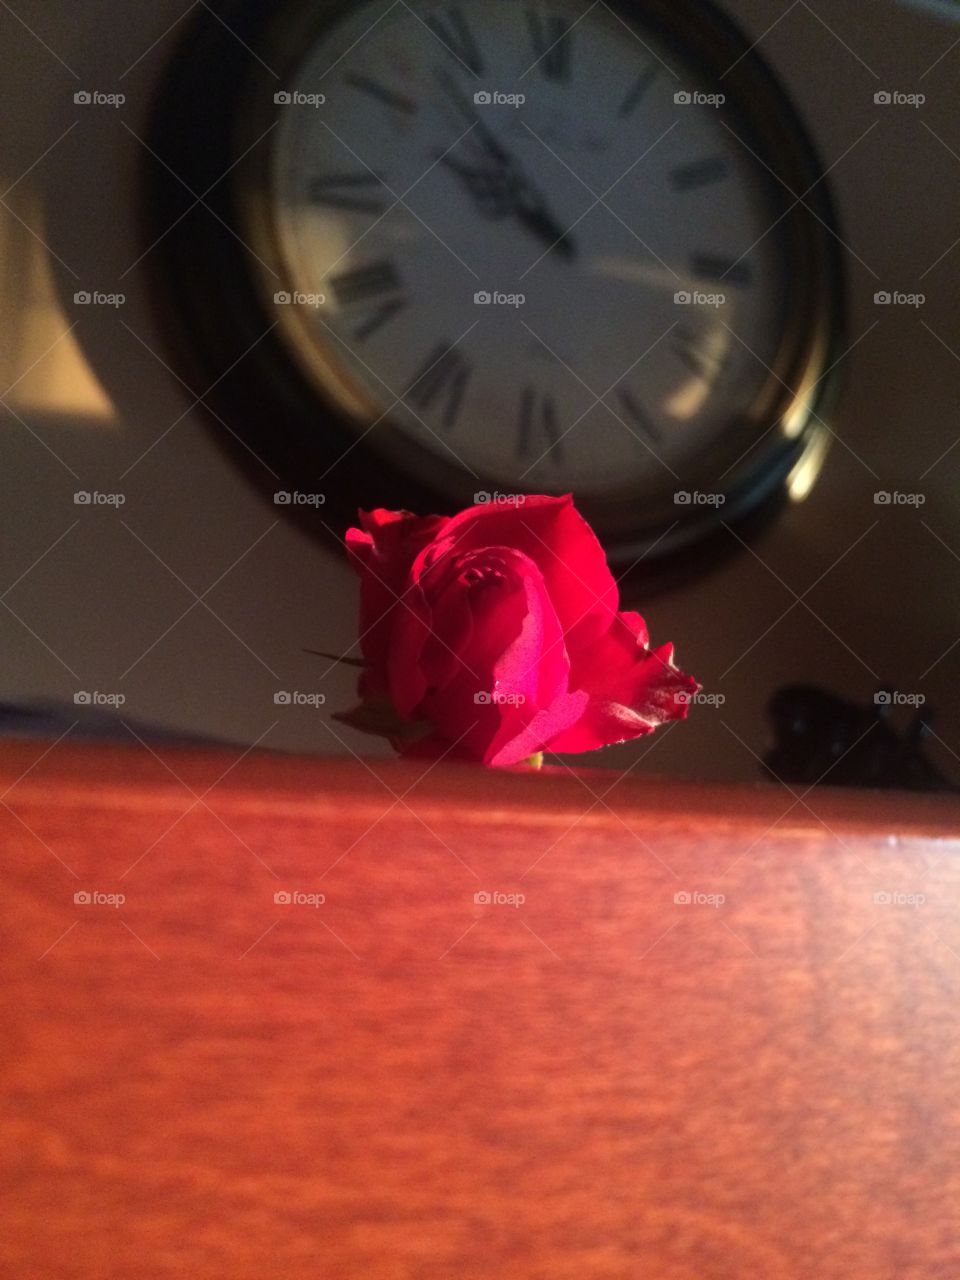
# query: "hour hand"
[[494, 187], [532, 213], [500, 191]]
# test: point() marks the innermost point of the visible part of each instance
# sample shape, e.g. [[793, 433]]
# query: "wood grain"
[[403, 1083]]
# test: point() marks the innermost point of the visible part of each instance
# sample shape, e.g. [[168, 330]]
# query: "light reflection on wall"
[[43, 370]]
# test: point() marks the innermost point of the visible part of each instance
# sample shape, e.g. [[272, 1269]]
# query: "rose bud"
[[495, 634]]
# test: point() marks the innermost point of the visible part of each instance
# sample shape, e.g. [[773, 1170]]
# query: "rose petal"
[[517, 741], [632, 689], [515, 665], [382, 552], [560, 542]]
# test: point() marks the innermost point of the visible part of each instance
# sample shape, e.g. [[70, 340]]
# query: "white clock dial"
[[421, 182]]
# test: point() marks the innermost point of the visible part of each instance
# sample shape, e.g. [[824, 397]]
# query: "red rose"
[[497, 632]]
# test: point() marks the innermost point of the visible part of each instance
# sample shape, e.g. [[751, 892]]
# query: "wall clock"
[[498, 247]]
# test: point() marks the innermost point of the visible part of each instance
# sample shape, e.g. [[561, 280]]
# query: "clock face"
[[538, 264], [455, 246]]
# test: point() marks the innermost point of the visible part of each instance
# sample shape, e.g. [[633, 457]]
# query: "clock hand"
[[498, 184], [535, 216], [488, 138], [501, 192], [494, 187]]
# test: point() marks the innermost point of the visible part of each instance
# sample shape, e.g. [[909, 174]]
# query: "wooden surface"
[[599, 1083]]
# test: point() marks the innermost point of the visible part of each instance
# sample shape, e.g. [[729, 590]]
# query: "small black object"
[[820, 735]]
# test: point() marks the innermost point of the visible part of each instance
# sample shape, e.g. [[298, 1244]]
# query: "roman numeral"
[[706, 364], [698, 173], [638, 89], [444, 373], [708, 266], [538, 416], [550, 38], [635, 413], [451, 29], [359, 191], [367, 285], [389, 97], [361, 284]]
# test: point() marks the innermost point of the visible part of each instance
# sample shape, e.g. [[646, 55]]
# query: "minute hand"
[[484, 133]]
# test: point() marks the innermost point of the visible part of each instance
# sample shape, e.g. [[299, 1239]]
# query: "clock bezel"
[[269, 382]]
